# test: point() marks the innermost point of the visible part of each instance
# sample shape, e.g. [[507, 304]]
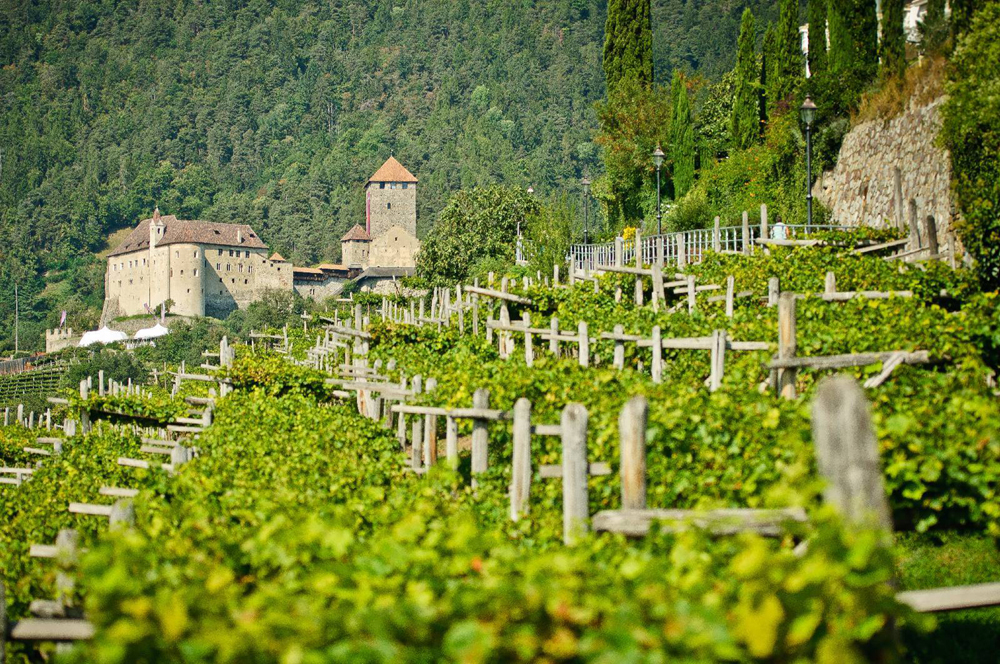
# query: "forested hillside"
[[274, 114]]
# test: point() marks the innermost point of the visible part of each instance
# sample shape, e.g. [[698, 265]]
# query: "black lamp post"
[[808, 113], [586, 209], [658, 160]]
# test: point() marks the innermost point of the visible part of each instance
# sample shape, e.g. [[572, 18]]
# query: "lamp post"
[[808, 113], [586, 209], [658, 160]]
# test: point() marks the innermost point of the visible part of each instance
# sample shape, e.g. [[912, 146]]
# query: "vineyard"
[[765, 456]]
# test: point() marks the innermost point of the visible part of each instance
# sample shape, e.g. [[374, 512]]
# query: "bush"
[[970, 133], [117, 365], [690, 212]]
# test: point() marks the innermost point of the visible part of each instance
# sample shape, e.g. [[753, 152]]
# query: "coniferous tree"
[[768, 73], [934, 27], [817, 37], [745, 125], [682, 143], [893, 46], [788, 59], [628, 43], [853, 54]]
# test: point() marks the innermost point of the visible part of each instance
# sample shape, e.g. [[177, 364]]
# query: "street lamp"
[[658, 160], [586, 209], [808, 113]]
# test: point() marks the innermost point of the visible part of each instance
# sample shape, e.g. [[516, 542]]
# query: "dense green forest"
[[275, 113]]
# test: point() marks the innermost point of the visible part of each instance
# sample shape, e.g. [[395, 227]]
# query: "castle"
[[209, 269]]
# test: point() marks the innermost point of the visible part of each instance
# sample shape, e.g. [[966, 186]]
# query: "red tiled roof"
[[332, 266], [392, 171], [307, 270], [356, 233], [276, 257], [190, 232]]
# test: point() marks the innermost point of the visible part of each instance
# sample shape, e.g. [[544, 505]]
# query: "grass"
[[949, 559], [920, 84]]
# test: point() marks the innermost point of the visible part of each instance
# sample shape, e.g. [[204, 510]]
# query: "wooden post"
[[401, 422], [659, 295], [122, 514], [417, 431], [659, 252], [504, 335], [430, 432], [786, 343], [716, 236], [584, 344], [520, 485], [554, 336], [632, 423], [619, 251], [930, 228], [84, 390], [451, 441], [529, 353], [773, 291], [638, 248], [475, 315], [730, 294], [691, 294], [357, 316], [765, 233], [847, 453], [575, 471], [746, 232], [100, 382], [555, 275], [480, 435], [718, 360], [830, 283], [681, 252], [914, 230], [638, 291], [619, 361], [657, 364]]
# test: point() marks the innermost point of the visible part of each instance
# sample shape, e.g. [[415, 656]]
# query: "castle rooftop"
[[177, 231], [357, 233], [392, 171]]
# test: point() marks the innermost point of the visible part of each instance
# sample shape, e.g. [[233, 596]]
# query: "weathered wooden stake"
[[529, 353], [619, 359], [716, 236], [718, 360], [746, 232], [786, 343], [480, 435], [691, 294], [657, 363], [520, 486], [847, 453], [830, 283], [554, 336], [451, 441], [575, 472], [773, 290], [584, 337], [430, 431], [730, 288], [632, 432]]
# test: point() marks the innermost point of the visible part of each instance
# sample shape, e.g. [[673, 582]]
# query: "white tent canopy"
[[105, 335], [151, 332]]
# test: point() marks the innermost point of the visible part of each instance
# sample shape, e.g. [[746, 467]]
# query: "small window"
[[196, 272], [182, 273], [230, 252], [246, 281], [406, 185], [129, 282], [388, 206], [247, 254], [279, 269], [227, 267], [220, 252], [171, 272], [381, 185], [241, 267], [177, 254], [249, 268], [189, 290], [234, 281]]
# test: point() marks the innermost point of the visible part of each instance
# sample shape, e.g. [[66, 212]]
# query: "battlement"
[[56, 340]]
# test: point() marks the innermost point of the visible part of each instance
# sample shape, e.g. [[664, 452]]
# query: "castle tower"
[[391, 200]]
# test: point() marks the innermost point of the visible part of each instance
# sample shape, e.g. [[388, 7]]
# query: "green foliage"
[[934, 29], [690, 212], [745, 124], [789, 66], [772, 173], [769, 77], [476, 226], [682, 144], [634, 120], [893, 45], [159, 406], [969, 131], [816, 10], [853, 55], [118, 365], [713, 117], [549, 233], [628, 43]]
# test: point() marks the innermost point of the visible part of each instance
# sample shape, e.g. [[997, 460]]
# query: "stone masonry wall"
[[892, 173]]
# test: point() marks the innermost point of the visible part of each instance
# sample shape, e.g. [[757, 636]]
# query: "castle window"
[[406, 185], [381, 185], [196, 253], [177, 254], [246, 281], [227, 267], [234, 281], [196, 272], [129, 282], [388, 206], [230, 252], [249, 268], [171, 272], [241, 267], [247, 254], [220, 252], [189, 290], [182, 272], [218, 266]]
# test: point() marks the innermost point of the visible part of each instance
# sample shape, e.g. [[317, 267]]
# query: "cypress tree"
[[682, 146], [745, 123], [934, 27], [788, 61], [893, 46], [768, 73], [628, 43], [853, 55], [817, 37]]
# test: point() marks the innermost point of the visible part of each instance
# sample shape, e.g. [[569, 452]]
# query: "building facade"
[[204, 268]]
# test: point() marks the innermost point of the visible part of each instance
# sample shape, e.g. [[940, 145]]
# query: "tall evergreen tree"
[[934, 27], [817, 37], [768, 73], [628, 43], [682, 146], [853, 56], [789, 62], [893, 46], [745, 125]]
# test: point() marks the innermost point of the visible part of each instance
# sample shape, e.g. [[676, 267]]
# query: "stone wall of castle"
[[397, 247], [892, 173], [392, 206], [237, 277], [320, 290]]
